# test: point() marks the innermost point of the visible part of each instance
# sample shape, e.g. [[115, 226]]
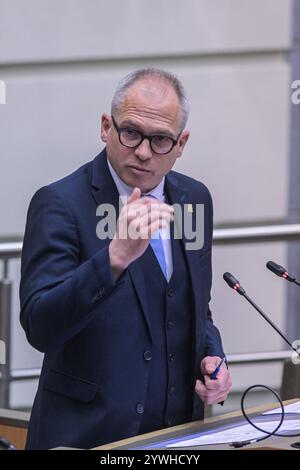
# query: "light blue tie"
[[157, 247]]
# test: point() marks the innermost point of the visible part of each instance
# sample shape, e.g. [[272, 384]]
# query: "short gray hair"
[[158, 74]]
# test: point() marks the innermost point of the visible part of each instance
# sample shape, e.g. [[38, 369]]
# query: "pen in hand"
[[214, 374]]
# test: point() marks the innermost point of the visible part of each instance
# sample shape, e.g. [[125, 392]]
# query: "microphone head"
[[230, 279], [275, 268], [233, 283], [279, 270]]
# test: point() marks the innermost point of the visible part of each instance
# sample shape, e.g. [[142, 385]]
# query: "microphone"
[[234, 284], [281, 272]]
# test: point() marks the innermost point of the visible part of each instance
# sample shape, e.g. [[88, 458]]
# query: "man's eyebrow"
[[131, 124]]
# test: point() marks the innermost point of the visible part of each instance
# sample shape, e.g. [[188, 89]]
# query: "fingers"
[[214, 391], [201, 390], [210, 397], [222, 382], [138, 220], [209, 364], [139, 210], [142, 217], [211, 384], [146, 225], [136, 194], [146, 205], [150, 229], [135, 200]]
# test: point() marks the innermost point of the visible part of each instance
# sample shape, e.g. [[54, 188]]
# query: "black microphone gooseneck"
[[234, 284]]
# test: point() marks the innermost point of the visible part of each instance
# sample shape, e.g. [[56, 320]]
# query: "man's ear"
[[105, 126], [182, 141]]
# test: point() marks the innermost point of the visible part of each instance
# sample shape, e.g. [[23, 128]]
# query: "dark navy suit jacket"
[[92, 330]]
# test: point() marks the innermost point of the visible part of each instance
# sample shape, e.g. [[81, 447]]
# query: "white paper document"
[[292, 408], [240, 433]]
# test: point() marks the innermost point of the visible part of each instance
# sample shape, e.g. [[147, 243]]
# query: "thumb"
[[136, 194], [208, 364]]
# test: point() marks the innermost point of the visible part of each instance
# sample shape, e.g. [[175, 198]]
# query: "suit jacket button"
[[171, 390], [170, 292], [140, 408], [147, 355], [171, 357]]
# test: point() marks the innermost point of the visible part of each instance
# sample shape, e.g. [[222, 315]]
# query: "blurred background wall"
[[61, 61]]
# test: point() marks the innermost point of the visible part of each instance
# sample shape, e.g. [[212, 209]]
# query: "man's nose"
[[143, 151]]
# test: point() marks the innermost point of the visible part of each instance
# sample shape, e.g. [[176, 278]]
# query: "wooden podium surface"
[[13, 426], [146, 440]]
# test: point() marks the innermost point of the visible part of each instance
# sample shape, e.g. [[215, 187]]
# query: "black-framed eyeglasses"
[[159, 143]]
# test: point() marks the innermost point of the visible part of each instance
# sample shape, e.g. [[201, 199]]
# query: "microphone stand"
[[259, 310], [234, 284]]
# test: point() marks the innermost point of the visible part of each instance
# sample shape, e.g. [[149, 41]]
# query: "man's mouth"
[[138, 170]]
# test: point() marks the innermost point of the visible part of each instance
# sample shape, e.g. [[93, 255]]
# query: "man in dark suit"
[[124, 321]]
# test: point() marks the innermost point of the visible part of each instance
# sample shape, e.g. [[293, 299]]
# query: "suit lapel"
[[180, 195], [105, 192]]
